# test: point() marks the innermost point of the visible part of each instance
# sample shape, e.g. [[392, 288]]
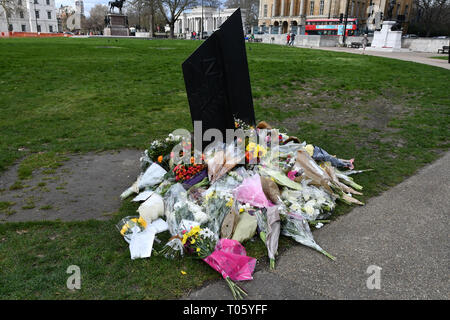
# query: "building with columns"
[[191, 20], [283, 16], [31, 16]]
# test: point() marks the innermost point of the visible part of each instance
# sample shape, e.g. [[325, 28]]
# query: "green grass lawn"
[[76, 95], [440, 57]]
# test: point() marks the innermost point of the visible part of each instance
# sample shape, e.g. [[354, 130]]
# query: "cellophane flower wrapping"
[[311, 170], [181, 207], [261, 218], [280, 178], [311, 202], [173, 249], [251, 191], [232, 158], [221, 158], [224, 186], [154, 175], [175, 195], [231, 260], [297, 227], [130, 225], [322, 155], [290, 148], [273, 232], [216, 208]]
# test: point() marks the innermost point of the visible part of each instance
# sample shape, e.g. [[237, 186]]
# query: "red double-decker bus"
[[330, 27]]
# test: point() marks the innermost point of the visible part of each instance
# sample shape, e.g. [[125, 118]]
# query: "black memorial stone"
[[217, 79]]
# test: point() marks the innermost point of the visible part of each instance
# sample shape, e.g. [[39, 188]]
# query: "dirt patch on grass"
[[337, 107], [85, 187]]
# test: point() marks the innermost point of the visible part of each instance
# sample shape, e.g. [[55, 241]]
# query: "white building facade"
[[30, 16], [191, 21]]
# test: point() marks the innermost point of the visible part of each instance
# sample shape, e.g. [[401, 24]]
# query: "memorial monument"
[[116, 23], [389, 38], [217, 78], [386, 39]]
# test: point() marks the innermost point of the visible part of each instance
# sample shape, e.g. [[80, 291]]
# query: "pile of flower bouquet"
[[263, 185]]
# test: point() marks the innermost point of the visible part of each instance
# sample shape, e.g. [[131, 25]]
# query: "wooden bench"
[[356, 45], [257, 40], [444, 49]]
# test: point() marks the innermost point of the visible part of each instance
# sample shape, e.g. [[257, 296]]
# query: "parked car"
[[441, 37], [410, 36]]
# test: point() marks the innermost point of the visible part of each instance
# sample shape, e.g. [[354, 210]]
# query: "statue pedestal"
[[116, 25], [386, 39]]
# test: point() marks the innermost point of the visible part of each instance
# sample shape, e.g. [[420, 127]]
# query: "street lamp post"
[[35, 17], [219, 22], [329, 9], [345, 22], [201, 26]]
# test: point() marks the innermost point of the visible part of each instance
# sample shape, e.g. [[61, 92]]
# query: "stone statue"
[[117, 4], [116, 24], [390, 17], [390, 9]]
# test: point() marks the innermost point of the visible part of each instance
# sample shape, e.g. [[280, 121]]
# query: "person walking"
[[364, 42], [288, 39], [292, 39]]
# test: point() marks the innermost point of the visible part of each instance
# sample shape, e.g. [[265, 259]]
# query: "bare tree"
[[431, 13], [152, 4], [171, 10], [9, 7], [251, 7], [135, 11], [212, 3], [96, 20], [145, 14], [140, 12]]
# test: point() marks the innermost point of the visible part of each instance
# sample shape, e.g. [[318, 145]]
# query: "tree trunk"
[[151, 29], [6, 16], [172, 29]]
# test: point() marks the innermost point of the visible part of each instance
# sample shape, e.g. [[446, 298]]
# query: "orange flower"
[[160, 159], [192, 160]]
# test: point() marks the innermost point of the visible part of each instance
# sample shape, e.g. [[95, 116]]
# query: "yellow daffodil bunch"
[[129, 223], [200, 241], [230, 202], [210, 196], [256, 150], [193, 234]]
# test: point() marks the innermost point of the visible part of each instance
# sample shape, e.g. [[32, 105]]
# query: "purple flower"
[[291, 175]]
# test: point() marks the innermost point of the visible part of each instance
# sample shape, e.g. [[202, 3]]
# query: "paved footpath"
[[404, 231], [418, 57]]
